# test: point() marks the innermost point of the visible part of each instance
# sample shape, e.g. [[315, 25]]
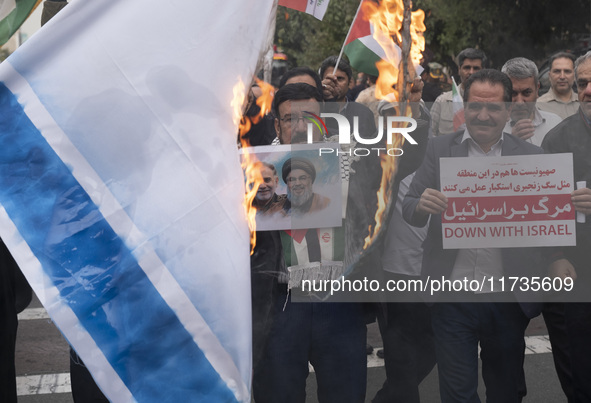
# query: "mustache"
[[299, 137], [484, 123], [520, 109]]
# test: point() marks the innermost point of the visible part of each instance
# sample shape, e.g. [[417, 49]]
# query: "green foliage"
[[502, 28], [4, 54], [307, 41]]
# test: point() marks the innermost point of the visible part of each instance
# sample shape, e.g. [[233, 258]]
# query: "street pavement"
[[42, 365]]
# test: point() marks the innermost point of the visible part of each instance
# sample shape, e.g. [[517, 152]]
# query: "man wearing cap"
[[299, 174], [432, 79]]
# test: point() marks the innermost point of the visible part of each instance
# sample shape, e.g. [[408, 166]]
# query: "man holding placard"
[[461, 326]]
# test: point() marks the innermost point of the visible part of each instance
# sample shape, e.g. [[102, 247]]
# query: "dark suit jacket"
[[438, 262]]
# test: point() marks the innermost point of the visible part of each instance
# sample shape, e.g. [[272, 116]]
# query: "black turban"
[[298, 163]]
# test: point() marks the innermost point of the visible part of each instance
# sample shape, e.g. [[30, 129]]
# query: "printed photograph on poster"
[[300, 188], [506, 202]]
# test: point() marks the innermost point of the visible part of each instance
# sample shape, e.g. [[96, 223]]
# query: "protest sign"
[[511, 201]]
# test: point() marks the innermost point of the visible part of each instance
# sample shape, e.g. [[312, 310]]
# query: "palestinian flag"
[[361, 48], [313, 254], [12, 15], [317, 8], [458, 106]]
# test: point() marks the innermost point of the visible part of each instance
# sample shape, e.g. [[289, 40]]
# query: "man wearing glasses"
[[330, 336]]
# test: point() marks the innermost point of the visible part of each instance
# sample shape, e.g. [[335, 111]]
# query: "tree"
[[504, 29], [307, 41]]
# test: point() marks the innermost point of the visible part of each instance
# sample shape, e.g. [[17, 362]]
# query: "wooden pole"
[[406, 44]]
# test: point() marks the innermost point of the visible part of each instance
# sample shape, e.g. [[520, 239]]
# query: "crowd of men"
[[503, 116]]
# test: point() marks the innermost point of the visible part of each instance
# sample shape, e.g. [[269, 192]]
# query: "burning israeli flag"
[[121, 190]]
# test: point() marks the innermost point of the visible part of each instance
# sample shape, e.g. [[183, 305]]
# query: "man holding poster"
[[460, 326]]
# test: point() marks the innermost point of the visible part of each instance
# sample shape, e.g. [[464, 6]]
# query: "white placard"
[[510, 201]]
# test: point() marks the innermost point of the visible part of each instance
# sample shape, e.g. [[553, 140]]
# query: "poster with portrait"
[[301, 186]]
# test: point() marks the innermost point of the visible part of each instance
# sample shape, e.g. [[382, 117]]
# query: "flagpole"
[[268, 58], [405, 54], [347, 37]]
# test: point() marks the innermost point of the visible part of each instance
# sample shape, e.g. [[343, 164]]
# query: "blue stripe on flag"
[[96, 274]]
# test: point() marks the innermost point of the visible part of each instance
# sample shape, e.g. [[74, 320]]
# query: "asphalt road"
[[42, 365]]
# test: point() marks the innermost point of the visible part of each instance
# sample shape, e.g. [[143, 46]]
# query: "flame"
[[265, 100], [238, 101], [387, 18], [249, 161]]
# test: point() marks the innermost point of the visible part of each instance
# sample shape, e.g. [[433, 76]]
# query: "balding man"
[[561, 99]]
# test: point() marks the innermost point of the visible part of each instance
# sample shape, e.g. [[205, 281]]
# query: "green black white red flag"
[[317, 8], [12, 15], [361, 47]]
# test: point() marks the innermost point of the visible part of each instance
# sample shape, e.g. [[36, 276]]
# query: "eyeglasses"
[[293, 120], [303, 178]]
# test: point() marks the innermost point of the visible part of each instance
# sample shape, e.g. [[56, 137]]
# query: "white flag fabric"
[[121, 190], [458, 107], [317, 8]]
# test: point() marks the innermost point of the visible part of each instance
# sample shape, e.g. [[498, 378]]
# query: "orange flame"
[[249, 162], [387, 18], [265, 100]]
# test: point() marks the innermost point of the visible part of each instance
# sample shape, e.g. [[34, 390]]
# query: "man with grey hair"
[[442, 112], [531, 124], [560, 98], [527, 122], [573, 136]]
